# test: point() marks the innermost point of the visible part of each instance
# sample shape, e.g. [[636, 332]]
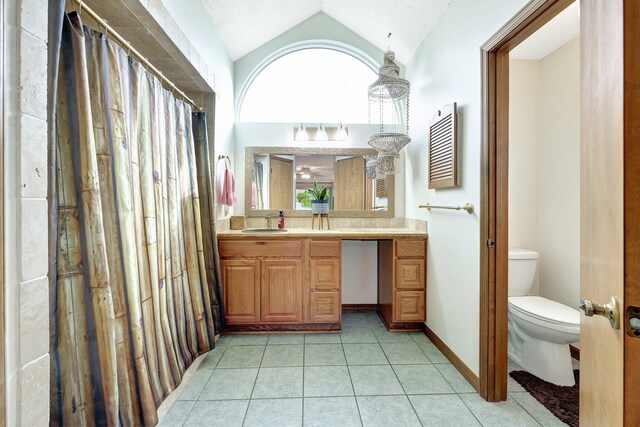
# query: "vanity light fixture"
[[321, 134], [301, 134], [341, 134]]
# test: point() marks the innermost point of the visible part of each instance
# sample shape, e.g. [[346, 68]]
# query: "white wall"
[[446, 68], [547, 147], [560, 191], [359, 272], [319, 27], [524, 138], [194, 20]]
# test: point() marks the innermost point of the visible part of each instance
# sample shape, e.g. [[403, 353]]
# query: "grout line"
[[355, 397], [190, 410], [449, 382], [221, 356], [303, 368], [244, 419], [205, 384], [469, 409], [319, 397], [525, 409], [402, 387]]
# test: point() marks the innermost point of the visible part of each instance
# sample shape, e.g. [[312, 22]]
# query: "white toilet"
[[540, 330]]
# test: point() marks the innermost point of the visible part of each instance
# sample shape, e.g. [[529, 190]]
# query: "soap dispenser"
[[281, 220]]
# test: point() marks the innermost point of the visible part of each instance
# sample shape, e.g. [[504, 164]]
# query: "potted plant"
[[320, 199]]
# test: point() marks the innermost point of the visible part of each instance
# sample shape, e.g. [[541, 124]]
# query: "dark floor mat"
[[562, 401]]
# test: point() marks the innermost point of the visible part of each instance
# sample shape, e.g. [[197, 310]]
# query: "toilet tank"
[[522, 270]]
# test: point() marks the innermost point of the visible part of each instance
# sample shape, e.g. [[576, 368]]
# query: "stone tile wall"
[[31, 301]]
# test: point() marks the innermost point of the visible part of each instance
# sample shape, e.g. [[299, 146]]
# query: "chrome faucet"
[[268, 218]]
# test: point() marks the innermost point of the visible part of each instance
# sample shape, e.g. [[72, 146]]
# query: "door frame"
[[494, 195], [3, 384], [631, 159]]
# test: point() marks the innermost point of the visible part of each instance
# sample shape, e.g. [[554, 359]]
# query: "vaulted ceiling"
[[245, 25]]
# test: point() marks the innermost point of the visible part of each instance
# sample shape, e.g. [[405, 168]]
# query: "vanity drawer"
[[261, 248], [409, 306], [324, 307], [411, 248], [325, 274], [324, 248], [410, 274]]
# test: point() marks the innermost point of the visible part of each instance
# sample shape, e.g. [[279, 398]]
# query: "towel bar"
[[468, 207]]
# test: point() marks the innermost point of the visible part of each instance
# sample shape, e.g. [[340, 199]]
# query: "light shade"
[[305, 173], [341, 134], [321, 134], [301, 134]]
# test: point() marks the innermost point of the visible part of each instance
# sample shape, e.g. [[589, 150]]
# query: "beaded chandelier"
[[388, 116]]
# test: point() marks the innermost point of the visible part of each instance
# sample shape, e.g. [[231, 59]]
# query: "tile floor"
[[365, 376]]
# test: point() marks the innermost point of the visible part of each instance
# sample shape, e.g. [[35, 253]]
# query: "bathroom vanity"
[[292, 281]]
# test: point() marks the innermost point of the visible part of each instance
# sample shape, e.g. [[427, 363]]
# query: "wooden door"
[[349, 184], [241, 279], [610, 198], [281, 291], [281, 184], [2, 195]]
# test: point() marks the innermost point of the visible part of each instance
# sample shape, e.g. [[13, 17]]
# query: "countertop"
[[341, 233]]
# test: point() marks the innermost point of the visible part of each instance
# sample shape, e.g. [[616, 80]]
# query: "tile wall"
[[28, 289]]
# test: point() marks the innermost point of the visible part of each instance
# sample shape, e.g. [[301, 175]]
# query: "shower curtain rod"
[[82, 5]]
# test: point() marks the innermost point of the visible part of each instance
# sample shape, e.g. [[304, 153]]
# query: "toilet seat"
[[545, 313]]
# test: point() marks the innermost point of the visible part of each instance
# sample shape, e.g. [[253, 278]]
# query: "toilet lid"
[[545, 309]]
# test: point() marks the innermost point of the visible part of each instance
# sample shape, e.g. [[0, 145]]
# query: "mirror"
[[278, 180]]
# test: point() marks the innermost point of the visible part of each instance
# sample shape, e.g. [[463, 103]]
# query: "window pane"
[[310, 85]]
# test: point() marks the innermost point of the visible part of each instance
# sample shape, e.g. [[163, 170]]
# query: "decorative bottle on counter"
[[281, 220]]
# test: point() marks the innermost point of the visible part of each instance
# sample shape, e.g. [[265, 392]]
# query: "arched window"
[[314, 85]]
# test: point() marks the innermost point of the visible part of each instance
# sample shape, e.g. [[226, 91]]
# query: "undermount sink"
[[264, 230]]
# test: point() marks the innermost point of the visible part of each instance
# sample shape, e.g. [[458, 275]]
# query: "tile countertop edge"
[[358, 233]]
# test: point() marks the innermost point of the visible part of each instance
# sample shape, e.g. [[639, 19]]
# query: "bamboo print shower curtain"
[[132, 306]]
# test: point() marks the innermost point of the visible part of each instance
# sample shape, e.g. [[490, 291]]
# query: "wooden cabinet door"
[[409, 306], [324, 307], [325, 274], [281, 291], [241, 280], [410, 274]]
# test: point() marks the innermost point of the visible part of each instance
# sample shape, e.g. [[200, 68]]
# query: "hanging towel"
[[228, 196]]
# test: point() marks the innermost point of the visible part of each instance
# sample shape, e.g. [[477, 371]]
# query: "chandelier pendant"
[[388, 117]]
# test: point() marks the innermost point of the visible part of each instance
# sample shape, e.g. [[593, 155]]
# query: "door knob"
[[611, 310]]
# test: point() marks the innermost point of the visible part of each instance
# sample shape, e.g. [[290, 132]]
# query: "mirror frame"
[[248, 173]]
